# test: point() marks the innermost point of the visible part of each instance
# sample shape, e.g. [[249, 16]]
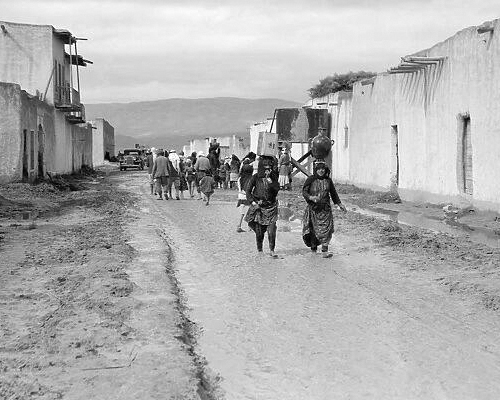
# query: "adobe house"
[[103, 141], [43, 62], [429, 128], [231, 144], [22, 137]]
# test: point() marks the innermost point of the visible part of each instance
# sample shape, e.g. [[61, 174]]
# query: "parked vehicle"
[[131, 158]]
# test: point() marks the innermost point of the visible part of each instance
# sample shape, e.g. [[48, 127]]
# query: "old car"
[[131, 158]]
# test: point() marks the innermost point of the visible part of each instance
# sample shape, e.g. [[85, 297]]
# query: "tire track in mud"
[[420, 319], [208, 384]]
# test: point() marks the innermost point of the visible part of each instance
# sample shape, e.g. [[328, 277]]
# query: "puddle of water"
[[484, 235], [287, 221], [435, 224], [289, 226]]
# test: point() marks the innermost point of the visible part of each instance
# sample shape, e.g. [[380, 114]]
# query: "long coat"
[[160, 167]]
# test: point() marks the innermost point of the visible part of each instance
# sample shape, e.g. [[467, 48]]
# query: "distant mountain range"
[[172, 123]]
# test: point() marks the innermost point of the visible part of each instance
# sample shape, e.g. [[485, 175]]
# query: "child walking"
[[207, 186]]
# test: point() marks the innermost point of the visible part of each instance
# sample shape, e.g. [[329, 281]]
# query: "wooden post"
[[70, 72], [272, 122], [48, 83], [77, 72], [299, 167], [302, 158]]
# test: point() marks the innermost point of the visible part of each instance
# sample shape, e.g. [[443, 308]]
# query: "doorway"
[[466, 182], [25, 174], [40, 152], [394, 158]]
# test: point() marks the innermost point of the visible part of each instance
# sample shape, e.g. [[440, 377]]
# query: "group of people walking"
[[318, 191], [258, 183], [167, 170]]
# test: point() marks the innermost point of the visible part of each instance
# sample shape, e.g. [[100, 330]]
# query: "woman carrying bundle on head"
[[317, 222], [262, 191]]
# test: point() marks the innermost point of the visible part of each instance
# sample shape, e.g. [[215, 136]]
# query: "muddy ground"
[[78, 321], [468, 268], [73, 322]]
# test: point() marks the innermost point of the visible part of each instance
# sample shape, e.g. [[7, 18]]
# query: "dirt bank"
[[75, 312]]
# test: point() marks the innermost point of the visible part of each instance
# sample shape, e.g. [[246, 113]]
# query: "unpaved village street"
[[121, 296]]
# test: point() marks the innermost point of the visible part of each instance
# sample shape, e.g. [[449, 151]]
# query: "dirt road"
[[89, 312], [369, 323]]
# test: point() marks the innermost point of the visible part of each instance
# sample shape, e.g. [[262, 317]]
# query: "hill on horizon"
[[171, 123]]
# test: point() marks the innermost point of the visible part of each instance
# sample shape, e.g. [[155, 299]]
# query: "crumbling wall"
[[29, 62], [10, 132], [108, 138], [81, 146]]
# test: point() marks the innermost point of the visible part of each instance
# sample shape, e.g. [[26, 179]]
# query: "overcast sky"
[[159, 49]]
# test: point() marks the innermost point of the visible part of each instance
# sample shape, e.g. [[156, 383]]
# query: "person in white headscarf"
[[174, 169]]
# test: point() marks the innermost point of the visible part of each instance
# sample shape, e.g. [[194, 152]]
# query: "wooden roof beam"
[[411, 64], [423, 59], [403, 71], [369, 81], [403, 68]]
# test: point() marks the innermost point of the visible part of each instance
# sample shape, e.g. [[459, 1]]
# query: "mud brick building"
[[428, 128], [42, 121], [103, 141], [229, 145], [295, 128]]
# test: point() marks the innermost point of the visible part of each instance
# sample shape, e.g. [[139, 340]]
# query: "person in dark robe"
[[149, 163], [317, 222], [262, 191], [190, 174], [234, 171], [213, 157], [193, 157], [182, 172]]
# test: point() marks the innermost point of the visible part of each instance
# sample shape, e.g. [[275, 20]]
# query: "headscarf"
[[175, 160], [321, 163], [267, 162], [251, 156]]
